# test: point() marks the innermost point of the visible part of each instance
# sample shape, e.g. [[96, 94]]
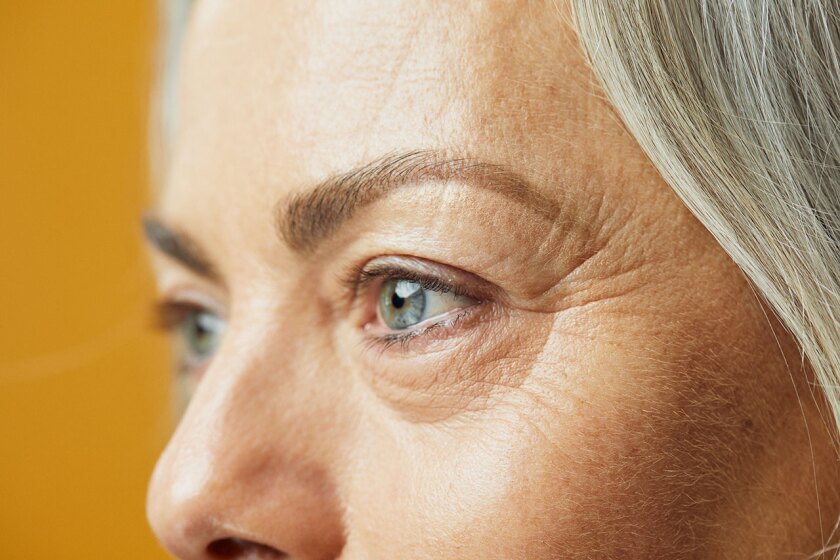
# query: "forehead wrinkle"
[[306, 219]]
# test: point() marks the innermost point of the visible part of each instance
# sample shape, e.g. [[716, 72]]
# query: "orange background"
[[84, 389]]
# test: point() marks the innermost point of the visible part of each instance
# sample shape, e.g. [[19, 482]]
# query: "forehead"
[[349, 80], [275, 96]]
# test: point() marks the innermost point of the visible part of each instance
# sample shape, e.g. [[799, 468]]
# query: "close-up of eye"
[[196, 331], [405, 303], [404, 299]]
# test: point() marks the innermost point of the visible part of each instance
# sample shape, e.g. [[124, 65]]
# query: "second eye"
[[405, 303]]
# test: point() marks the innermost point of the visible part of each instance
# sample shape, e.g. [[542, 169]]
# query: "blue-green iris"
[[402, 303], [201, 332]]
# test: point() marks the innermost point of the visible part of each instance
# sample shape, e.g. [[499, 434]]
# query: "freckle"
[[747, 424]]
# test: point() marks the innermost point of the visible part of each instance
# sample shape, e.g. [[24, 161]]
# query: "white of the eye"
[[405, 289], [440, 303]]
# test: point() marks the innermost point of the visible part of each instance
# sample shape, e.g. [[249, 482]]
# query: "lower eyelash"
[[403, 340]]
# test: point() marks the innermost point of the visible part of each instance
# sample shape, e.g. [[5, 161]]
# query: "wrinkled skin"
[[617, 392]]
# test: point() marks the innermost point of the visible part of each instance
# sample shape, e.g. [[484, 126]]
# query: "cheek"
[[450, 490], [459, 376], [520, 481], [609, 443]]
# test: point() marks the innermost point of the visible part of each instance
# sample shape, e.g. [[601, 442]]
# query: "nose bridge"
[[253, 458]]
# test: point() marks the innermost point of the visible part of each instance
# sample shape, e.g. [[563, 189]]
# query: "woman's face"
[[436, 303]]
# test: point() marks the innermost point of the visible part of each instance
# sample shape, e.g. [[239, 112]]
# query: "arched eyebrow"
[[307, 219], [178, 246]]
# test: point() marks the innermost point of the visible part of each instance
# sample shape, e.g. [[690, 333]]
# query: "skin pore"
[[585, 373]]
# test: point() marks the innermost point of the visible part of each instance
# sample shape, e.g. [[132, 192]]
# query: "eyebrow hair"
[[307, 219], [179, 246]]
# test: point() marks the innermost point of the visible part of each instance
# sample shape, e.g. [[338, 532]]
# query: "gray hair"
[[737, 104]]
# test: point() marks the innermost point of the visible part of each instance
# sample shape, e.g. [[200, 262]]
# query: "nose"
[[247, 474]]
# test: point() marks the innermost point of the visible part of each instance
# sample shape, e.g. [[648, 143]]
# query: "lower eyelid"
[[430, 321], [437, 330]]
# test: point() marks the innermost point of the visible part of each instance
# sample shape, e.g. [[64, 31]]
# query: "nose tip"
[[191, 534], [191, 543], [267, 510]]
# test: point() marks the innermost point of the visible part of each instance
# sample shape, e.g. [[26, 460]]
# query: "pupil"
[[397, 301], [200, 328]]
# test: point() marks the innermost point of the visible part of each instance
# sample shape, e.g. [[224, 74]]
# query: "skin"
[[618, 391]]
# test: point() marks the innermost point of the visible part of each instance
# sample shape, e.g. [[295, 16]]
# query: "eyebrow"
[[306, 220], [179, 246]]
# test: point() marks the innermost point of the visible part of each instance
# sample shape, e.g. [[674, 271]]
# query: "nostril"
[[241, 549]]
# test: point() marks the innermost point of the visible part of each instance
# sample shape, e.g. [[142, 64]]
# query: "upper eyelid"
[[453, 279], [427, 281], [190, 297]]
